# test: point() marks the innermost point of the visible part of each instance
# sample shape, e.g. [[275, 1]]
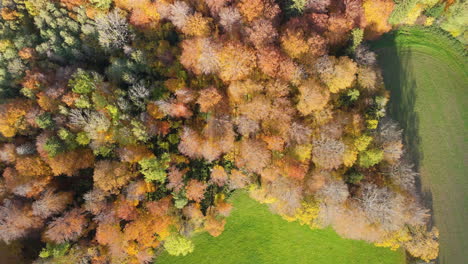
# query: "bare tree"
[[334, 191], [327, 153], [402, 174], [16, 220], [51, 203], [364, 56], [383, 206], [113, 30]]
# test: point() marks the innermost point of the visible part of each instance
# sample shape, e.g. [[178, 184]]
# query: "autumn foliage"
[[125, 126]]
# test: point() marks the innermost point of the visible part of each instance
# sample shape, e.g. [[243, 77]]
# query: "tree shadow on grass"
[[399, 79]]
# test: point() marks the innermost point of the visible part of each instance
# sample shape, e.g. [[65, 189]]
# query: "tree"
[[336, 73], [377, 13], [424, 244], [16, 221], [102, 4], [318, 5], [68, 227], [200, 55], [136, 190], [262, 32], [26, 149], [54, 146], [258, 108], [45, 121], [95, 201], [214, 226], [12, 117], [7, 153], [253, 155], [312, 97], [110, 176], [238, 179], [190, 142], [196, 190], [358, 35], [82, 82], [239, 90], [402, 174], [175, 177], [174, 109], [286, 203], [364, 56], [177, 245], [125, 209], [392, 151], [32, 166], [367, 78], [339, 27], [208, 98], [454, 22], [70, 162], [196, 25], [218, 176], [370, 157], [216, 5], [327, 153], [154, 169], [294, 43], [251, 9], [383, 207], [54, 251], [51, 203], [134, 153], [113, 30], [229, 17], [355, 12], [178, 13], [333, 192], [145, 15], [223, 208], [236, 61]]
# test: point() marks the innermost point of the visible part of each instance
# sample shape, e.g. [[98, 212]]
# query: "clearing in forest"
[[253, 235]]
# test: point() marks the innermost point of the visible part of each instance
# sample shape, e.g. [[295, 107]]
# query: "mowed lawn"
[[253, 235], [427, 76]]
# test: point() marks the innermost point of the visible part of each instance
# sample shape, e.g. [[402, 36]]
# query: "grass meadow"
[[426, 72], [253, 235]]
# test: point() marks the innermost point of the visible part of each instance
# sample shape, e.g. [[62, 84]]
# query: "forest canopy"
[[126, 125]]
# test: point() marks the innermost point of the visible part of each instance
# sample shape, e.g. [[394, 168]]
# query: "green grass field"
[[426, 73], [255, 236]]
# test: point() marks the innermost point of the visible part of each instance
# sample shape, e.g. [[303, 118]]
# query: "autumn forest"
[[126, 125]]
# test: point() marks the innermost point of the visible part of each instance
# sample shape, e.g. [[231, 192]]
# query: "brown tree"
[[218, 176], [110, 176], [312, 97], [68, 227], [236, 61], [253, 155], [208, 98], [196, 190], [16, 220], [51, 203], [69, 163]]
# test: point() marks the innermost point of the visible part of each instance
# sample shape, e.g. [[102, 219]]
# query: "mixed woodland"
[[126, 125]]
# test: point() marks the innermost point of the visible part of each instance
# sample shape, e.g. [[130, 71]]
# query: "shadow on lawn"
[[400, 81]]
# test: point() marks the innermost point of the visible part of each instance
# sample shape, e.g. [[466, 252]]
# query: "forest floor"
[[426, 73], [253, 235]]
